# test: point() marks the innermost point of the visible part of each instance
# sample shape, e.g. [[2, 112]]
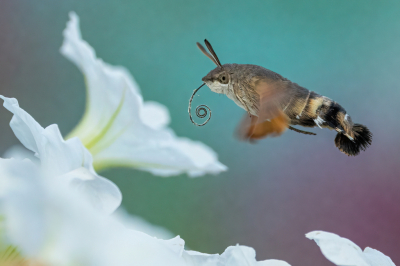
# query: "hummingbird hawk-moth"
[[274, 104]]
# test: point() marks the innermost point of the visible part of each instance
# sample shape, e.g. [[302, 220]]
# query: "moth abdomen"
[[304, 108], [351, 138]]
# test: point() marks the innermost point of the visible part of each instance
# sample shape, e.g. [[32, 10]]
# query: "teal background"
[[275, 191]]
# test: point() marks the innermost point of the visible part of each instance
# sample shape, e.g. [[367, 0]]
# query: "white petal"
[[155, 115], [20, 152], [338, 250], [232, 256], [56, 155], [119, 129], [273, 263], [162, 153], [343, 252], [16, 177], [25, 128], [14, 167], [139, 224], [103, 194], [377, 258], [59, 157]]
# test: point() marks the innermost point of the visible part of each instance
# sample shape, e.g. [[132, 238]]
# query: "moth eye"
[[223, 79]]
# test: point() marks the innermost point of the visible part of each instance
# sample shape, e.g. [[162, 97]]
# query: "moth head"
[[218, 79]]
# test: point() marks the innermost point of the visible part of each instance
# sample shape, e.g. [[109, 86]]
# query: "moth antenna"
[[212, 52], [206, 53]]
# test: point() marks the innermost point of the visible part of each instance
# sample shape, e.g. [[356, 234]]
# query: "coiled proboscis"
[[201, 110]]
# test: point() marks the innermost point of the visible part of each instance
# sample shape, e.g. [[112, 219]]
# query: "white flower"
[[69, 161], [52, 224], [343, 252], [119, 129]]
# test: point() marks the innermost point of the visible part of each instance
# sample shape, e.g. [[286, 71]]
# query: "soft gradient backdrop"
[[275, 191]]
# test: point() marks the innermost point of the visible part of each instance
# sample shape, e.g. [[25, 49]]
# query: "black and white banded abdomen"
[[309, 109]]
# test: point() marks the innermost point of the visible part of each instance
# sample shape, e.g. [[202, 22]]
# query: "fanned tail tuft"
[[362, 140]]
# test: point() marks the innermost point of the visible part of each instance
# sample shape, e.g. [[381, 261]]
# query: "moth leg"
[[301, 131]]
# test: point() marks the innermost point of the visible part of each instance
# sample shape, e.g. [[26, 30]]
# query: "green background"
[[275, 191]]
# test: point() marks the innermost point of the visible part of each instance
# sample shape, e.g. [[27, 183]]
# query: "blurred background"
[[275, 191]]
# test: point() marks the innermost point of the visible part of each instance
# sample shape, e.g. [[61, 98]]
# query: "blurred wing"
[[274, 95], [251, 129], [271, 120]]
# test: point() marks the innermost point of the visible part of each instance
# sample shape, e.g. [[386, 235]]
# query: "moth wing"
[[274, 95], [251, 129], [271, 120]]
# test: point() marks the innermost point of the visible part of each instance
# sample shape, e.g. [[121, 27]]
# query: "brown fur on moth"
[[274, 104]]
